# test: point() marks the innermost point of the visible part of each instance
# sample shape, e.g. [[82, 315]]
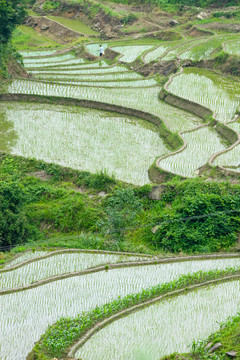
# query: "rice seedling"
[[235, 126], [36, 53], [83, 71], [233, 47], [140, 99], [25, 256], [172, 54], [65, 298], [130, 53], [201, 144], [112, 84], [94, 48], [166, 327], [218, 93], [50, 60], [71, 64], [205, 49], [86, 139], [229, 158], [159, 51], [104, 76], [49, 64], [56, 265]]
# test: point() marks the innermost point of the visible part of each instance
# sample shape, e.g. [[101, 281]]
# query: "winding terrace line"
[[113, 267], [128, 311], [210, 161], [70, 251], [69, 81], [90, 104]]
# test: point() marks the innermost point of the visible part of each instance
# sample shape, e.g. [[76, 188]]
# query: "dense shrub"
[[203, 218], [12, 13], [14, 224]]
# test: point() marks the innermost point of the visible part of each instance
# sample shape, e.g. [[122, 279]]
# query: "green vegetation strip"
[[62, 338]]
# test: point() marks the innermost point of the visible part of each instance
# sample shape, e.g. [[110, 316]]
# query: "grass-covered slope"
[[60, 203]]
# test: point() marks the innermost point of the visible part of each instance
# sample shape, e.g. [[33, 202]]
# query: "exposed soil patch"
[[195, 32], [16, 69], [41, 175], [164, 68]]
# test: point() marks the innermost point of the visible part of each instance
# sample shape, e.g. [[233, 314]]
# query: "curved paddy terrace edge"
[[102, 316]]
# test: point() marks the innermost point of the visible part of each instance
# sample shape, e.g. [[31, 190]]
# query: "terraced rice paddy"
[[83, 139], [229, 159], [50, 60], [201, 144], [156, 53], [233, 47], [94, 77], [128, 83], [94, 48], [140, 99], [116, 84], [57, 265], [172, 54], [69, 297], [23, 257], [166, 327], [114, 69], [205, 49], [37, 53], [70, 65], [51, 64], [131, 53], [123, 146], [219, 94], [235, 126]]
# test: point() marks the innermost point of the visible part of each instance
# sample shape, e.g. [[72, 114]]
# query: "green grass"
[[25, 37], [75, 25]]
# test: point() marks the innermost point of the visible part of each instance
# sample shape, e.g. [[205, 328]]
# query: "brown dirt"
[[41, 175], [53, 30], [195, 32], [162, 68], [16, 69]]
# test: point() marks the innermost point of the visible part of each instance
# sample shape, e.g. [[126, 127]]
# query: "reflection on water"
[[8, 136]]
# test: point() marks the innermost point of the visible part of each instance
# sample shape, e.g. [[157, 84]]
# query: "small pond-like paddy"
[[84, 139]]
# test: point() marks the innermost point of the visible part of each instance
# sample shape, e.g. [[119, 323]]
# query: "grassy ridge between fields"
[[60, 337]]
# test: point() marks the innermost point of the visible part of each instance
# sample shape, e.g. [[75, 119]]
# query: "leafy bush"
[[122, 209], [203, 218], [128, 19], [14, 224], [12, 13], [50, 5]]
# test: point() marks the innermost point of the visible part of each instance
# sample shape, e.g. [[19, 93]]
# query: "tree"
[[12, 13], [14, 225]]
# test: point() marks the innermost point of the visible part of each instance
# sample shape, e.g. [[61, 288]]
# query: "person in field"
[[101, 50]]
